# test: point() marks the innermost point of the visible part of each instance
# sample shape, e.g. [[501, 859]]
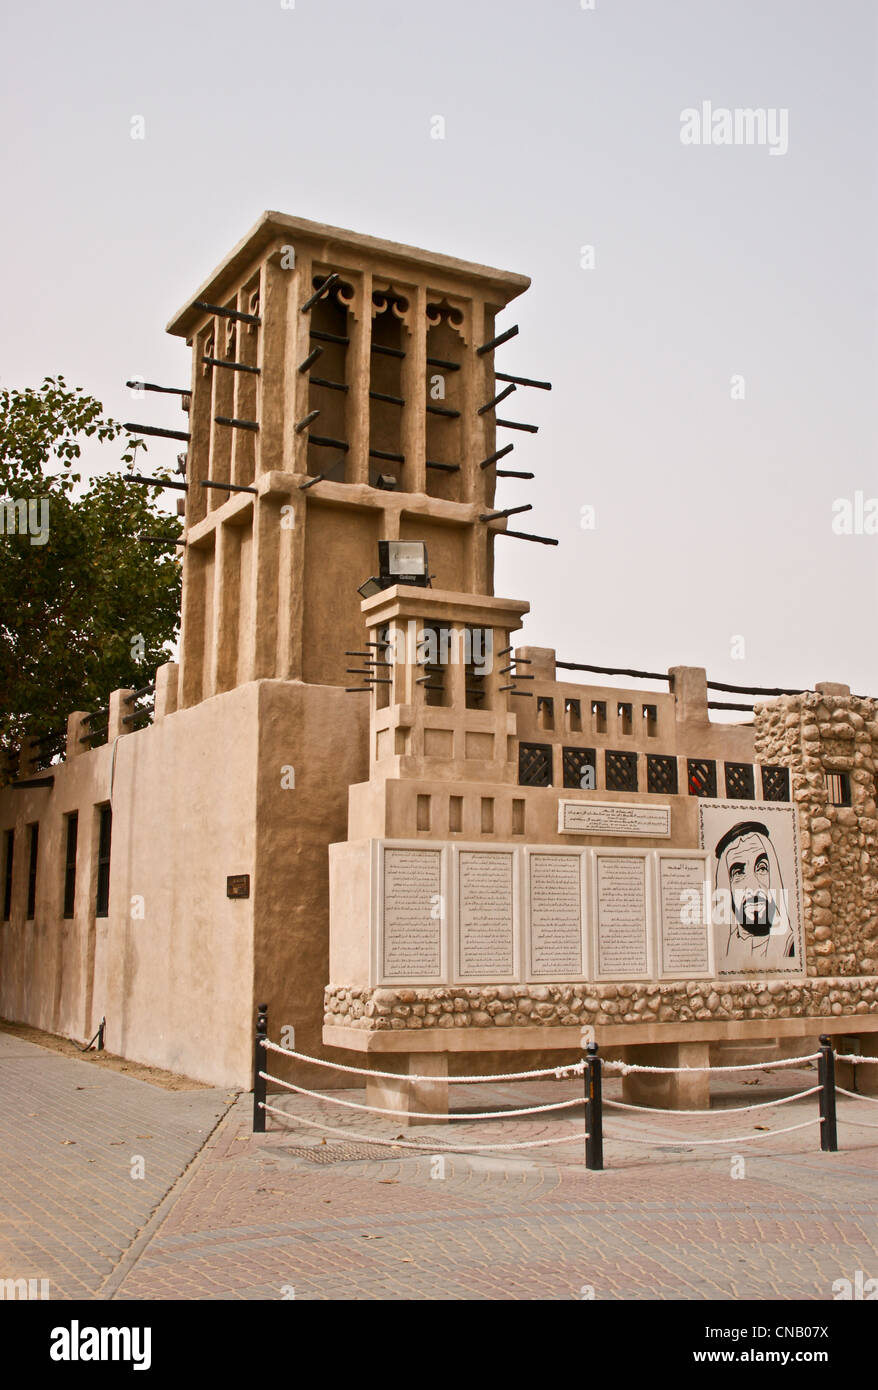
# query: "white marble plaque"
[[412, 928], [622, 940], [555, 887], [613, 818], [485, 914], [684, 915]]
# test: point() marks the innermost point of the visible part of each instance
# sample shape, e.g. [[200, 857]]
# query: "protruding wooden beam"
[[154, 429], [495, 342], [225, 313]]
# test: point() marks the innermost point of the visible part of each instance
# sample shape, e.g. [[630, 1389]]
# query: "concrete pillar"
[[689, 687], [414, 417], [416, 1098], [359, 359], [118, 711], [28, 757], [166, 685], [542, 661], [669, 1091], [866, 1074], [75, 730]]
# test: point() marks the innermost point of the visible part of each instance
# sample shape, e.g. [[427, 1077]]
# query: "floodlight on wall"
[[372, 586], [404, 562], [399, 562]]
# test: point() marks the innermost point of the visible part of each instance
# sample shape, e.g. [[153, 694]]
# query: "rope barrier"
[[422, 1114], [738, 1139], [560, 1073], [623, 1068], [422, 1148], [855, 1095], [730, 1110], [854, 1057]]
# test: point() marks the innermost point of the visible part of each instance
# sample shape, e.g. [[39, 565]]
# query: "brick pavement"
[[69, 1206], [258, 1217]]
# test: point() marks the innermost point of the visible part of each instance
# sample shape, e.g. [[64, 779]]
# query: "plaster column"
[[668, 1091], [74, 733], [689, 687], [166, 684], [118, 711], [866, 1074]]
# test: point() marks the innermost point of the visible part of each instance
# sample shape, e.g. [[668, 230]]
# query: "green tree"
[[85, 606]]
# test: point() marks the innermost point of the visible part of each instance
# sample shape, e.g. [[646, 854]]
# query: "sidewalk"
[[301, 1213], [69, 1130]]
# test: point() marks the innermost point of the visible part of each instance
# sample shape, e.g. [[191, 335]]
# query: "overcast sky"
[[713, 515]]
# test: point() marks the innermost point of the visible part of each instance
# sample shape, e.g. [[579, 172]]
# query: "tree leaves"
[[72, 609]]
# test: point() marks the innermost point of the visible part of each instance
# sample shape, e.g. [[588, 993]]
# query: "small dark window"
[[573, 710], [9, 850], [625, 714], [740, 782], [535, 764], [433, 649], [545, 712], [102, 904], [33, 852], [479, 640], [579, 767], [70, 864], [775, 784], [621, 771], [599, 715], [702, 777], [650, 720], [661, 774], [838, 788], [382, 669]]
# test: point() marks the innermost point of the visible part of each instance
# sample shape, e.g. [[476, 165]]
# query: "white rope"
[[855, 1057], [855, 1095], [863, 1124], [625, 1067], [574, 1069], [422, 1148], [690, 1143], [731, 1110], [423, 1114]]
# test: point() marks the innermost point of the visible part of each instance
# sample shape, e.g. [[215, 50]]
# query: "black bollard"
[[594, 1110], [826, 1077], [259, 1066]]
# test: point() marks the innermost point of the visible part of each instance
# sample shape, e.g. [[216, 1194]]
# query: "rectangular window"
[[661, 774], [573, 710], [621, 771], [102, 904], [599, 716], [740, 782], [775, 784], [650, 720], [545, 712], [535, 764], [579, 768], [625, 715], [70, 864], [838, 788], [33, 851], [702, 777], [9, 850]]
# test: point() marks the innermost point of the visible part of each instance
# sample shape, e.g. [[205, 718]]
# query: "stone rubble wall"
[[505, 1006], [811, 734]]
